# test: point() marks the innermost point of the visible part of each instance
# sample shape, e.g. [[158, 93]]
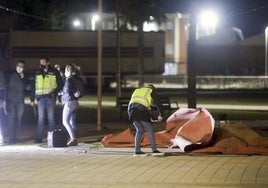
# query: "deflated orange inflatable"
[[193, 130]]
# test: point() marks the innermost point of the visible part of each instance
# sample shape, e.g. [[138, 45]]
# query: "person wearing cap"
[[139, 114]]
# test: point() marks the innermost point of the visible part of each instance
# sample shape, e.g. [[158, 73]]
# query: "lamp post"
[[266, 58], [191, 71], [99, 93]]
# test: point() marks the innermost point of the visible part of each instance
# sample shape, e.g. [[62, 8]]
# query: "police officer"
[[47, 84], [139, 114]]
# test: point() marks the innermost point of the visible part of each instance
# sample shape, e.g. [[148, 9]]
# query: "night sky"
[[251, 16]]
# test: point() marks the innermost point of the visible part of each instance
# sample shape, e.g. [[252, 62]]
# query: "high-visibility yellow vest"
[[45, 85], [142, 96]]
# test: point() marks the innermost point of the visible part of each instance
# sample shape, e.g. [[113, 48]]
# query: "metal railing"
[[202, 82]]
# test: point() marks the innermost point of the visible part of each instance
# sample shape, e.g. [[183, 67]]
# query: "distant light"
[[77, 23], [149, 26], [94, 19], [207, 21]]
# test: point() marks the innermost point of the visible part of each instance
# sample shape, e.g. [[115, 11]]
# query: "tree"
[[135, 13], [28, 14]]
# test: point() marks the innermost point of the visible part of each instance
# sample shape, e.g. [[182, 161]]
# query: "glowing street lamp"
[[76, 23], [207, 22]]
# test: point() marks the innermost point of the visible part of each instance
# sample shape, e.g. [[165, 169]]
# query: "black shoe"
[[38, 141], [140, 153], [156, 152]]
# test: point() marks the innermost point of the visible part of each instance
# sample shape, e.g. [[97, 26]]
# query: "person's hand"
[[77, 94], [21, 75], [160, 118], [32, 103], [4, 104]]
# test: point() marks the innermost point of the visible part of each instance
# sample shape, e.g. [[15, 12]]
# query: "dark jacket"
[[69, 89], [139, 112], [17, 86], [59, 81], [2, 88]]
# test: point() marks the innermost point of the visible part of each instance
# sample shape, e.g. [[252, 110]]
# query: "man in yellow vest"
[[48, 82], [139, 114]]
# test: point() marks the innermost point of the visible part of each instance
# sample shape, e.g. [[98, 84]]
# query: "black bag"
[[57, 138]]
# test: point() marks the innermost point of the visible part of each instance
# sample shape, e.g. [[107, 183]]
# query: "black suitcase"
[[57, 138]]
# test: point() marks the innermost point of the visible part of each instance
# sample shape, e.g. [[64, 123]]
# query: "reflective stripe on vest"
[[45, 85], [142, 96]]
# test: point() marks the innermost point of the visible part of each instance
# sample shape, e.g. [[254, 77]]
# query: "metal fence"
[[202, 82]]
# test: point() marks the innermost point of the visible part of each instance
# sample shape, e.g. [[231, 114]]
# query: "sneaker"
[[140, 153], [156, 152], [38, 140], [72, 142]]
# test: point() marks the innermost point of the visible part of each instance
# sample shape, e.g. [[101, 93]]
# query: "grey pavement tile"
[[91, 165]]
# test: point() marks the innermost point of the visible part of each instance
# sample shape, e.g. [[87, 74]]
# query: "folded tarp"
[[197, 130]]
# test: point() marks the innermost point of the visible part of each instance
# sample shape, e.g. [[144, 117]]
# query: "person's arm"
[[59, 81], [26, 82], [158, 104], [32, 92]]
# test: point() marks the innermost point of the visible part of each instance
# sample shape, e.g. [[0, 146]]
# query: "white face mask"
[[67, 74], [19, 69]]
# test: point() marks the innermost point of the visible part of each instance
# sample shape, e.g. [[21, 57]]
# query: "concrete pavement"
[[91, 165]]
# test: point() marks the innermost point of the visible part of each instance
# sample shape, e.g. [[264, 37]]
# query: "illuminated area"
[[207, 23], [150, 26], [94, 19], [77, 23]]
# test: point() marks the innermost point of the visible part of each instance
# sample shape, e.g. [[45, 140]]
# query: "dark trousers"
[[3, 126], [15, 113]]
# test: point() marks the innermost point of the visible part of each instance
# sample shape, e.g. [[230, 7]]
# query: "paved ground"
[[91, 165]]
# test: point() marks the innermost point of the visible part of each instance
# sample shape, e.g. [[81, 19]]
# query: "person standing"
[[48, 83], [18, 83], [139, 114], [70, 96], [2, 107]]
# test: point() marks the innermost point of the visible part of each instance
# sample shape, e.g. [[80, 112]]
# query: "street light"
[[207, 22], [76, 23]]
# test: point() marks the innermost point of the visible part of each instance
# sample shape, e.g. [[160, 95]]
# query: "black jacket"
[[17, 86], [2, 87], [69, 89]]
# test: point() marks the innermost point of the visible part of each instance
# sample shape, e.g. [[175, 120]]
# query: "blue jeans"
[[15, 113], [141, 127], [68, 117], [46, 105]]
